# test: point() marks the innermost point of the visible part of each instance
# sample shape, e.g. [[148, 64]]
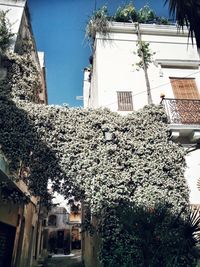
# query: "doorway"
[[7, 238]]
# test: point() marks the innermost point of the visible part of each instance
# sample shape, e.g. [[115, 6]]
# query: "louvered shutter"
[[125, 101], [184, 88], [187, 96]]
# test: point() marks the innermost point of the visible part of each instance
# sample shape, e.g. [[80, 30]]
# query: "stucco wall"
[[9, 213], [29, 236], [14, 14], [90, 250], [192, 175], [115, 59]]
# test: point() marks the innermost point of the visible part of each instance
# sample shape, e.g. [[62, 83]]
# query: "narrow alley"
[[72, 260]]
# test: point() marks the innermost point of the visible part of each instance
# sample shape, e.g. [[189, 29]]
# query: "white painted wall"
[[86, 86], [15, 11], [192, 175], [114, 66]]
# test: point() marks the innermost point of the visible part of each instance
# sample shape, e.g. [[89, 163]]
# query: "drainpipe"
[[149, 96]]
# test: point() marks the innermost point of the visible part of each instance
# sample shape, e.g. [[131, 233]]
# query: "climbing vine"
[[144, 51], [140, 167], [5, 32]]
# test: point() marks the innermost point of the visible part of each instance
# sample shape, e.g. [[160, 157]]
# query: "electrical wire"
[[154, 88]]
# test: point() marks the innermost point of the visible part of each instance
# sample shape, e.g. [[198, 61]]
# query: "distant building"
[[57, 226], [43, 93], [75, 223], [64, 229], [23, 40]]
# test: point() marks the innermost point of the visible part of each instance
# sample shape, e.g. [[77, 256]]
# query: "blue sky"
[[59, 30]]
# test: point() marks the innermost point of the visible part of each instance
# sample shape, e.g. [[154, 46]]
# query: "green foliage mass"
[[140, 167], [126, 13], [99, 21], [137, 237]]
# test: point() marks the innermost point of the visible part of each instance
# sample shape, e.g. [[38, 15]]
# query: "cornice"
[[152, 29], [178, 63], [13, 3]]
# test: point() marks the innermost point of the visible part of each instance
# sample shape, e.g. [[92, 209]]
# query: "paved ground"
[[72, 260]]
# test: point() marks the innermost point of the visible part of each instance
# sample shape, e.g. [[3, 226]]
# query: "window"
[[184, 88], [125, 102], [186, 106], [52, 220]]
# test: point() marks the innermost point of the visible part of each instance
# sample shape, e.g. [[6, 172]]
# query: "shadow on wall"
[[145, 236], [29, 157]]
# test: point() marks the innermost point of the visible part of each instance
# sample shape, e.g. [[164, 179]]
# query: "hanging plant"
[[99, 22]]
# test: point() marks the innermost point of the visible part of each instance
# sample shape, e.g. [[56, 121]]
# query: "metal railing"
[[182, 111]]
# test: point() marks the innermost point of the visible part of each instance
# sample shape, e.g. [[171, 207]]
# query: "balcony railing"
[[182, 111]]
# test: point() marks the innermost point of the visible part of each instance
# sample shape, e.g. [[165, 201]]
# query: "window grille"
[[125, 101]]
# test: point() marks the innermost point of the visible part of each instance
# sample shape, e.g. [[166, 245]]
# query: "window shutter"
[[187, 100], [125, 102], [184, 88]]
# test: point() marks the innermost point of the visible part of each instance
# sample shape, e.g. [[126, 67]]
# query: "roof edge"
[[119, 27]]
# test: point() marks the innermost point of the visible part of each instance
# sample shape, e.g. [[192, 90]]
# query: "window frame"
[[126, 105]]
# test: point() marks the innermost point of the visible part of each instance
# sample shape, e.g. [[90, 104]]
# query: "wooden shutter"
[[184, 88], [125, 102], [187, 100]]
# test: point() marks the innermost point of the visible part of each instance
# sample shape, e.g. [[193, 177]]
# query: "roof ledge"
[[148, 29], [17, 3], [178, 63]]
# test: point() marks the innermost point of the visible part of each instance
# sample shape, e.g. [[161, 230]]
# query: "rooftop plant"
[[126, 13], [98, 23], [146, 14]]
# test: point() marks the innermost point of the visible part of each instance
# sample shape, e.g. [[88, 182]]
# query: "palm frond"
[[187, 13]]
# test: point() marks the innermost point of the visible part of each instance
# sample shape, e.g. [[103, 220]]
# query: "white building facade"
[[18, 18], [22, 234], [115, 82]]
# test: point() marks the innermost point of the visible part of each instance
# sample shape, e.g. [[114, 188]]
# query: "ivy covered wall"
[[138, 168]]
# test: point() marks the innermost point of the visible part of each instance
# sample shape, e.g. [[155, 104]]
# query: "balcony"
[[184, 117]]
